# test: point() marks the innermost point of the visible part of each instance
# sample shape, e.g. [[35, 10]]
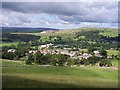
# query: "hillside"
[[111, 32], [74, 37]]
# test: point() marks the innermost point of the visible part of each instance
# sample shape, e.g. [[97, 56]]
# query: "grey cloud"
[[71, 12], [43, 7]]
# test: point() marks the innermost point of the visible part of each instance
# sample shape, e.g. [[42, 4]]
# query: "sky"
[[61, 15]]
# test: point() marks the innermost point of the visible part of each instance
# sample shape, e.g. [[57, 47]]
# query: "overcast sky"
[[60, 15]]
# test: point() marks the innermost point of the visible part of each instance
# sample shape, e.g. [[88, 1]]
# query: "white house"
[[109, 57], [11, 50], [96, 52], [48, 45], [45, 46], [64, 52], [98, 55], [43, 32], [85, 56], [32, 51]]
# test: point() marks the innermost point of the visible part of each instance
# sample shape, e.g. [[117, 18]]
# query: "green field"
[[8, 44], [112, 52], [18, 75], [109, 32]]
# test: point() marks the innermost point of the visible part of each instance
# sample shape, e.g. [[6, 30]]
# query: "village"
[[74, 54]]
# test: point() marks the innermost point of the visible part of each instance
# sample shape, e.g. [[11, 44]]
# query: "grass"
[[115, 63], [109, 32], [17, 75], [91, 42], [112, 52], [8, 44]]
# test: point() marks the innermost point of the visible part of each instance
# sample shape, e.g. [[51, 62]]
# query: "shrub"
[[70, 62], [105, 62], [76, 61], [28, 62]]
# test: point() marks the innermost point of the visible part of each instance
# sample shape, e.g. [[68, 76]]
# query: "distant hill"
[[25, 29]]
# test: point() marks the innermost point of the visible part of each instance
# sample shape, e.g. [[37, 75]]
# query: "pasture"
[[112, 52]]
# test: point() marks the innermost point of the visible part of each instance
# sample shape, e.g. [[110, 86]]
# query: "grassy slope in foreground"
[[18, 75]]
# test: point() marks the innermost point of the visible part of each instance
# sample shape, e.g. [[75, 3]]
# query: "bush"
[[105, 62], [76, 61], [93, 60], [28, 62], [58, 59], [103, 52], [70, 62]]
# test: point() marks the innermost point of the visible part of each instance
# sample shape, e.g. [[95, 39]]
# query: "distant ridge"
[[25, 29]]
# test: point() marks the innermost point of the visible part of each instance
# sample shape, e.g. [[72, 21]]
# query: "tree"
[[81, 62], [28, 62], [62, 59], [59, 59], [91, 49], [5, 48], [52, 59], [93, 60], [103, 52], [30, 56], [22, 49], [112, 55], [8, 55], [70, 62], [77, 61], [105, 62], [12, 46], [86, 62], [82, 51], [38, 58]]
